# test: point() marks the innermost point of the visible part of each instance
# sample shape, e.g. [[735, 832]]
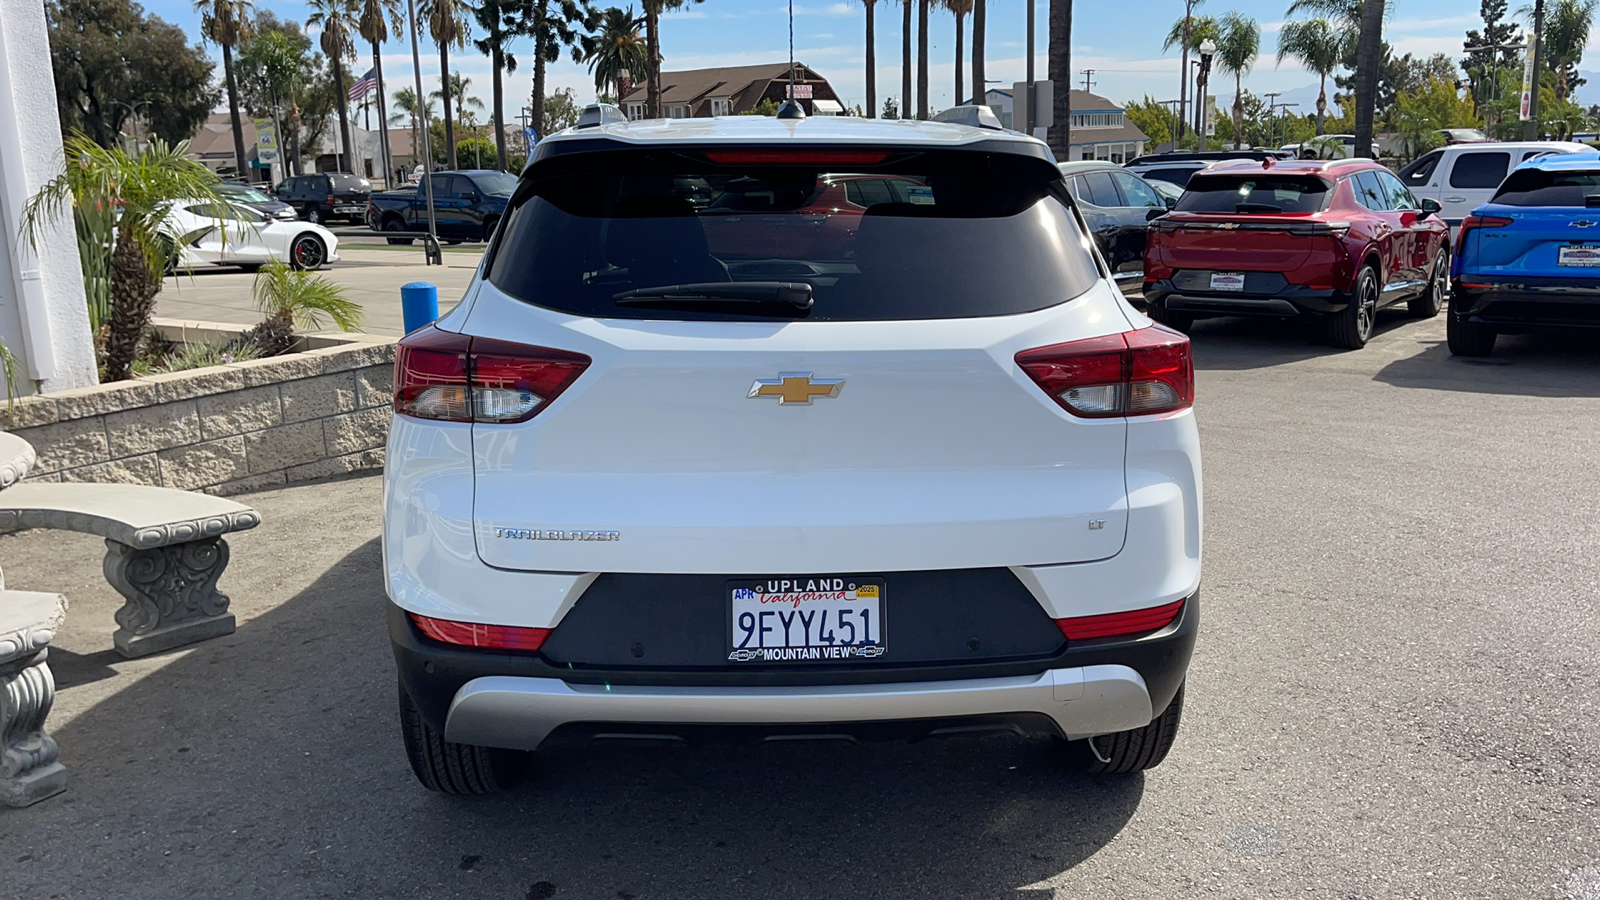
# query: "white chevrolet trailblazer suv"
[[773, 427]]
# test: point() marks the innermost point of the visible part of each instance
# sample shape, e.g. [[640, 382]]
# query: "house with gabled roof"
[[730, 91]]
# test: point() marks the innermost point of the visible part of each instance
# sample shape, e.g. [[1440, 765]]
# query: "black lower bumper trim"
[[1289, 302], [433, 673], [1528, 306]]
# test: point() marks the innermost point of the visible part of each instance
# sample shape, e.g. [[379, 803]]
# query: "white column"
[[44, 319]]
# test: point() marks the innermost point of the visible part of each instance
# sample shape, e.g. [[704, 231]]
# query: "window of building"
[[721, 106], [1097, 120], [636, 111], [677, 111]]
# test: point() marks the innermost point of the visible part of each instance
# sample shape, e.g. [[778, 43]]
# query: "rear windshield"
[[1179, 177], [923, 235], [349, 183], [1537, 187], [498, 183], [1250, 193]]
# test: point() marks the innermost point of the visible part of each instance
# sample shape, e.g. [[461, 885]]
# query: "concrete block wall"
[[224, 429]]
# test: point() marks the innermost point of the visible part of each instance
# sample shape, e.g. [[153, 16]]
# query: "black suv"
[[1117, 205], [327, 197]]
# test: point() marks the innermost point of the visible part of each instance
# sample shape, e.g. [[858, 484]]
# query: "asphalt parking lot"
[[1395, 695]]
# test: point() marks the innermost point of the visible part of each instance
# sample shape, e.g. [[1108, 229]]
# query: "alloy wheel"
[[307, 252]]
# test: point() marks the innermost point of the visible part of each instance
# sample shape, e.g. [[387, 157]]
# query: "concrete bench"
[[164, 551], [28, 768]]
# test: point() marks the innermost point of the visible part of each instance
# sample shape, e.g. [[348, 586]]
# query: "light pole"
[[432, 241], [1491, 69], [1530, 74], [133, 114], [1208, 49]]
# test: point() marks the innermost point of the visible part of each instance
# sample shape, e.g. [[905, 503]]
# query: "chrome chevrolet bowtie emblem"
[[1582, 223], [795, 387]]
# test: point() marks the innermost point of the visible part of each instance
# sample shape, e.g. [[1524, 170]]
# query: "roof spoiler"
[[972, 115], [597, 114]]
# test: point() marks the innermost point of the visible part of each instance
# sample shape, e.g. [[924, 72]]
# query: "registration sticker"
[[1585, 255], [803, 619], [1227, 281]]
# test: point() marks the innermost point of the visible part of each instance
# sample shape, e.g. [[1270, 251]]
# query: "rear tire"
[[1352, 326], [489, 226], [1427, 304], [313, 215], [396, 225], [1178, 321], [1467, 338], [1129, 751], [451, 768]]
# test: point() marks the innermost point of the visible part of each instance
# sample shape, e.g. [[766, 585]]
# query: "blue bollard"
[[419, 304]]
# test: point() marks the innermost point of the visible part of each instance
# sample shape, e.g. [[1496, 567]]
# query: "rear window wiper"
[[1257, 207], [796, 294]]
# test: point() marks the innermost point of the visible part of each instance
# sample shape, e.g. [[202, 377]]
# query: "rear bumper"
[[518, 700], [1293, 300], [1529, 304]]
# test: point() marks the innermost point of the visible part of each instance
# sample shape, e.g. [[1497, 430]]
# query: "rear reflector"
[[1135, 373], [821, 156], [1137, 621], [476, 634], [456, 378]]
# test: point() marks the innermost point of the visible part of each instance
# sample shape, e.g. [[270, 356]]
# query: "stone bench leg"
[[171, 593], [28, 768]]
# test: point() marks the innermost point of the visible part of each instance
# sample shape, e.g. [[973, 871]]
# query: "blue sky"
[[1120, 40]]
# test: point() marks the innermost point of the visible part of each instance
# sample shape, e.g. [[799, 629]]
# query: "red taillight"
[[820, 156], [475, 634], [455, 378], [1136, 621], [1136, 373], [1471, 222]]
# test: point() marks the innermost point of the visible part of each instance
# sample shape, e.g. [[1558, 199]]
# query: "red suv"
[[1338, 240]]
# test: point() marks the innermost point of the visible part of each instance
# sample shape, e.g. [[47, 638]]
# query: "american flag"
[[364, 86]]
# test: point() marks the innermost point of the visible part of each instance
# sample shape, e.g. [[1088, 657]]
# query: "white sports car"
[[225, 234]]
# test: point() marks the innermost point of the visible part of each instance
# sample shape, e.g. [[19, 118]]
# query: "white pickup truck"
[[1462, 177]]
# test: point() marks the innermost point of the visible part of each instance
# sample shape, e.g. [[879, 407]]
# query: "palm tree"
[[1567, 24], [979, 18], [1319, 49], [652, 29], [376, 19], [141, 186], [959, 8], [448, 26], [554, 24], [1059, 56], [337, 19], [1181, 33], [1198, 29], [614, 50], [405, 101], [301, 299], [872, 61], [1236, 53], [922, 58], [905, 58], [227, 24], [496, 41], [1369, 53]]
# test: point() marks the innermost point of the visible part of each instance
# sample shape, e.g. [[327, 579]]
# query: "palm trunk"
[[1183, 73], [922, 59], [233, 108], [961, 76], [133, 299], [1322, 103], [344, 116], [1368, 48], [872, 63], [652, 94], [1060, 131], [1238, 107], [383, 116], [444, 82], [540, 45], [979, 14], [905, 58], [497, 59]]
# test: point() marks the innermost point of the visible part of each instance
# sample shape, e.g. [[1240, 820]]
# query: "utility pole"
[[1087, 84], [1032, 100], [1530, 78]]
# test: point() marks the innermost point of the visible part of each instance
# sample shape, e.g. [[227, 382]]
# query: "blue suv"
[[1529, 259]]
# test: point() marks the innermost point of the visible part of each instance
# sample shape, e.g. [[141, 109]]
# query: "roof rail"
[[596, 114], [972, 115], [1352, 160]]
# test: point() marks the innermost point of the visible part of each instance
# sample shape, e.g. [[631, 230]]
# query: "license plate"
[[1227, 281], [1586, 255], [803, 619]]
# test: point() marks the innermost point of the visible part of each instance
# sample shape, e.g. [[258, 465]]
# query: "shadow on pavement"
[[268, 763], [1553, 365], [1235, 343]]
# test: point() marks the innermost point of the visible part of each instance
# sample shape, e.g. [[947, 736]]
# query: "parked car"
[[1117, 206], [1207, 156], [1463, 136], [1169, 192], [466, 206], [1177, 172], [637, 486], [326, 196], [208, 233], [246, 195], [1337, 240], [1331, 146], [832, 211], [1464, 176], [1529, 259]]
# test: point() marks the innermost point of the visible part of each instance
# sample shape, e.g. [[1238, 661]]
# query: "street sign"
[[1211, 115], [266, 141], [1044, 105], [798, 91]]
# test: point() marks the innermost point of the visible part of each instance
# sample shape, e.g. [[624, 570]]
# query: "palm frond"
[[304, 297]]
